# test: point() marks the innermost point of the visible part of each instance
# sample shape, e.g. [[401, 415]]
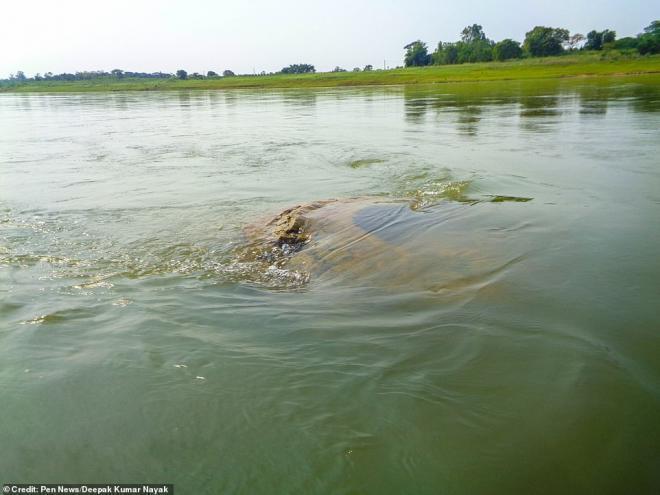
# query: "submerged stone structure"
[[376, 242]]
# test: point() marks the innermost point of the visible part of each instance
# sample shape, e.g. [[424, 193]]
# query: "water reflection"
[[185, 99], [645, 98], [540, 105], [415, 107], [594, 101], [463, 111], [468, 118]]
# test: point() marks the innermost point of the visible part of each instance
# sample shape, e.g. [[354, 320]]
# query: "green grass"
[[580, 65]]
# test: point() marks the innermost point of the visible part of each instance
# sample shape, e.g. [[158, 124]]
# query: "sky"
[[257, 35]]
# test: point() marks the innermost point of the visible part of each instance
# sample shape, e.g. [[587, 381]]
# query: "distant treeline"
[[114, 74], [541, 41], [20, 76]]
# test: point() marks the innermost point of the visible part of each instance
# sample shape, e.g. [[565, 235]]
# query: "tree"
[[228, 73], [211, 74], [451, 55], [357, 69], [507, 49], [545, 41], [368, 67], [653, 28], [338, 69], [627, 43], [574, 41], [596, 40], [473, 47], [608, 36], [182, 74], [446, 53], [298, 69], [19, 76], [649, 42], [473, 33], [438, 55], [417, 54], [649, 45], [475, 51]]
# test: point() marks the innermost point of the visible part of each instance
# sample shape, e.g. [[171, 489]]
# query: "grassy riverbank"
[[581, 65]]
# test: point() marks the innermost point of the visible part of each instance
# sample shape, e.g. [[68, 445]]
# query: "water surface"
[[460, 342]]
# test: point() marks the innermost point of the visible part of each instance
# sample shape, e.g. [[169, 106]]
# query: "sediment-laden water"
[[476, 313]]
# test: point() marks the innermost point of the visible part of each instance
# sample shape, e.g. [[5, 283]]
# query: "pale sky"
[[201, 35]]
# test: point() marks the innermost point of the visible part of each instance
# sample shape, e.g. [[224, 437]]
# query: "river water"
[[490, 324]]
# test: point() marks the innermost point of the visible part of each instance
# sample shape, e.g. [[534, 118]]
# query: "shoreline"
[[561, 67]]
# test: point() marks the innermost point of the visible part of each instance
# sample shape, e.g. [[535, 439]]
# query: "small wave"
[[270, 276], [58, 317], [365, 162], [432, 192]]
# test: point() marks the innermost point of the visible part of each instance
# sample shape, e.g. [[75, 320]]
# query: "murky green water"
[[440, 340]]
